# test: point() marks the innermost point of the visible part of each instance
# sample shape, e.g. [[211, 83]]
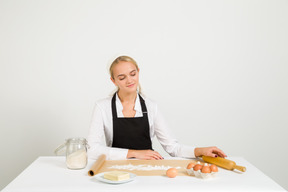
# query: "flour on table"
[[141, 167]]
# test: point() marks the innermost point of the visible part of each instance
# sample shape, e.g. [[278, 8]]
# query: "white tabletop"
[[51, 174]]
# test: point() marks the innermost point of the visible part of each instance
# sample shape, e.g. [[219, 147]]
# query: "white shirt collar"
[[137, 106]]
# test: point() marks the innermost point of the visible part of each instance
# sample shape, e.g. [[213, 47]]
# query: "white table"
[[50, 174]]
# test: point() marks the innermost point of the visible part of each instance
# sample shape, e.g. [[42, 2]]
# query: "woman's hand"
[[144, 154], [209, 151]]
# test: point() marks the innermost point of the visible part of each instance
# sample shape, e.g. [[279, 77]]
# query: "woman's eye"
[[133, 74], [121, 78]]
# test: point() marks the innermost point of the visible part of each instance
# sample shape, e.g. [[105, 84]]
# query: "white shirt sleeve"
[[96, 138], [169, 144]]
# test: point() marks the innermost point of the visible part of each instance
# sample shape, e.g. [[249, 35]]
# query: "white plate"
[[100, 177]]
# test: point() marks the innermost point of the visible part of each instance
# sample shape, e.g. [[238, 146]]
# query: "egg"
[[206, 169], [197, 167], [214, 168], [190, 165], [172, 172]]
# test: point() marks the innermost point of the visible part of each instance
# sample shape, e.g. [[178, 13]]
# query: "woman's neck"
[[127, 97]]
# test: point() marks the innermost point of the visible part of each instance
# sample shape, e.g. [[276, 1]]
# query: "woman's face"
[[126, 76]]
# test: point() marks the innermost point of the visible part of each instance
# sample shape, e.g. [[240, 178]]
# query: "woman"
[[129, 121]]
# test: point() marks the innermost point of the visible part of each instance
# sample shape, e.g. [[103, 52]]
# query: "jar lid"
[[77, 140]]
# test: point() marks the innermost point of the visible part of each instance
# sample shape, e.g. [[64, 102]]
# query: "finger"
[[152, 157], [157, 155], [219, 152], [211, 154], [149, 157], [154, 154]]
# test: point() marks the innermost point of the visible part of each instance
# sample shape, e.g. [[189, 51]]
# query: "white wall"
[[218, 70]]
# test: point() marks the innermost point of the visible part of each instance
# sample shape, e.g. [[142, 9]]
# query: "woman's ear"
[[113, 80]]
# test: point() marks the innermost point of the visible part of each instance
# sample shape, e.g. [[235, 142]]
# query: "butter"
[[116, 176]]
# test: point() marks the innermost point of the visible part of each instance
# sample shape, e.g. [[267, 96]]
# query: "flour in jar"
[[77, 160]]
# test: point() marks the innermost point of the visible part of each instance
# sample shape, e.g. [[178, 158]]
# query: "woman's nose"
[[129, 79]]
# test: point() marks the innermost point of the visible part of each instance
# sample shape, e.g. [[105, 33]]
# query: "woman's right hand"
[[144, 154], [209, 151]]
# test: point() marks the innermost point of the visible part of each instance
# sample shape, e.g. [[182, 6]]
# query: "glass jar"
[[76, 152]]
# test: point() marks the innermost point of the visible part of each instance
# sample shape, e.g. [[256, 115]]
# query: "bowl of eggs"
[[202, 171]]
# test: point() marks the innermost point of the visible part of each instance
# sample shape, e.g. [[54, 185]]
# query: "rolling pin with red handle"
[[224, 163]]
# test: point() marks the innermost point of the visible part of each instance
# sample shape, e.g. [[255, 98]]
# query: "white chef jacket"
[[101, 130]]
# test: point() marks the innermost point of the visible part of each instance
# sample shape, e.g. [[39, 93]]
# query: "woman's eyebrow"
[[124, 75], [120, 75]]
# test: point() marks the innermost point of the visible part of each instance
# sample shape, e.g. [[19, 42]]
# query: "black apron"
[[131, 132]]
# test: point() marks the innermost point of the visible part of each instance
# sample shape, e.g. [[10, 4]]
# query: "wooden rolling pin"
[[224, 163]]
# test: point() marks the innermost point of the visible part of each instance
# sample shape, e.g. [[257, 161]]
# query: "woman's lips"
[[131, 85]]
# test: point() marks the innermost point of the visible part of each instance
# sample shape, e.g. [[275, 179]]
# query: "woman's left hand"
[[209, 151]]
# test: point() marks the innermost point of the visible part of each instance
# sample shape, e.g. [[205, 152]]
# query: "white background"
[[217, 69]]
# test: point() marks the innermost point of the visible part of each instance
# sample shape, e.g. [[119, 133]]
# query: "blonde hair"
[[120, 59]]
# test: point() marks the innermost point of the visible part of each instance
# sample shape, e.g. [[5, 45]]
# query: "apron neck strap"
[[142, 102]]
